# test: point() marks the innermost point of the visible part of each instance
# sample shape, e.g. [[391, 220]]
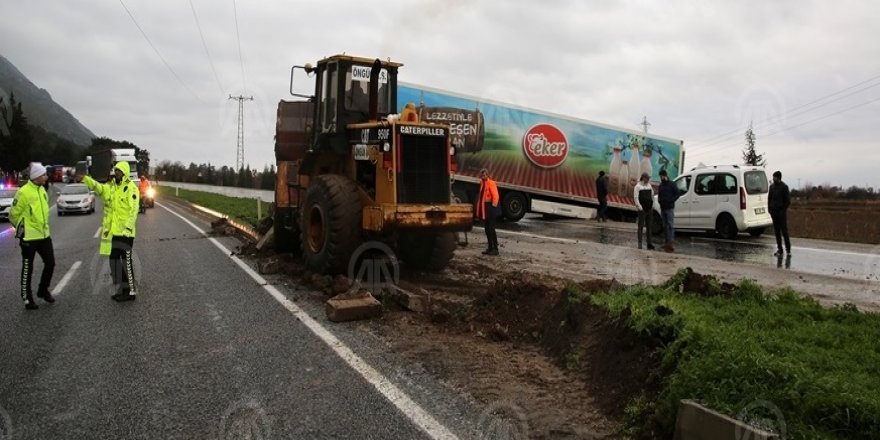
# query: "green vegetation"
[[239, 208], [816, 367]]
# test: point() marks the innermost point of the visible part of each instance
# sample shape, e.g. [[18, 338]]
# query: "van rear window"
[[756, 182]]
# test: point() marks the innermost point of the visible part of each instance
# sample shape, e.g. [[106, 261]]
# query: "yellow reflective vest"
[[30, 212], [121, 203]]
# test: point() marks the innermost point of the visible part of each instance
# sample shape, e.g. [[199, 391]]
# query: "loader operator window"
[[357, 90], [328, 99]]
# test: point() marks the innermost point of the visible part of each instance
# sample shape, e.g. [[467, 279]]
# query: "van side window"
[[726, 184], [683, 184], [705, 184]]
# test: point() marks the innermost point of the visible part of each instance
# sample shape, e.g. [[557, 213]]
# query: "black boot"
[[46, 296]]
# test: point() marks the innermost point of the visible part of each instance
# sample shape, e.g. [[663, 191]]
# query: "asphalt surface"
[[204, 352], [846, 260]]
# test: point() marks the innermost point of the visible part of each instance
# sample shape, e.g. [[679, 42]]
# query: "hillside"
[[39, 107]]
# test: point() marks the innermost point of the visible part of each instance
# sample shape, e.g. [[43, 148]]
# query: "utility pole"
[[239, 157], [645, 124]]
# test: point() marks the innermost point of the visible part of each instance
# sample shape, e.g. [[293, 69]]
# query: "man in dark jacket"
[[778, 200], [667, 194], [602, 194]]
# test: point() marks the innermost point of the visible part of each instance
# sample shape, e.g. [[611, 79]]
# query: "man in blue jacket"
[[667, 194]]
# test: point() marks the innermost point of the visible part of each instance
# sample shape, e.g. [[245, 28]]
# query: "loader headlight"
[[386, 147], [452, 151]]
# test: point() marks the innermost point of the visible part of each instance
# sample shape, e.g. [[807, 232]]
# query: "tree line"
[[244, 177], [22, 143]]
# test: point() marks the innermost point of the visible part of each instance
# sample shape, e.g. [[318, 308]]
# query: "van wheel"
[[756, 232], [513, 206], [726, 227]]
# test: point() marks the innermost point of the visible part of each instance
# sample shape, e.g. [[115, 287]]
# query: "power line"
[[791, 126], [205, 45], [727, 135], [238, 37], [159, 54]]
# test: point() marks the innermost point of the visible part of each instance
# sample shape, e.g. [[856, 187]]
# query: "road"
[[846, 260], [208, 350]]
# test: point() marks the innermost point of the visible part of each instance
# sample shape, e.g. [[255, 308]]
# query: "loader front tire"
[[426, 251], [330, 224]]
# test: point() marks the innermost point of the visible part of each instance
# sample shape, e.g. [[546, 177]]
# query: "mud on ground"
[[512, 341]]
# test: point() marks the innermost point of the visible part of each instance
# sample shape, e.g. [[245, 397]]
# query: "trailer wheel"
[[657, 225], [514, 206], [330, 223], [426, 251]]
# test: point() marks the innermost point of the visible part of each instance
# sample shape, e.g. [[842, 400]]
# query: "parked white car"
[[76, 197], [7, 195], [727, 199]]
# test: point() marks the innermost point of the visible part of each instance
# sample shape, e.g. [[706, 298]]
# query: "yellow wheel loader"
[[352, 170]]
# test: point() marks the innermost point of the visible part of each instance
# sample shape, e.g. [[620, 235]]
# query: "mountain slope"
[[39, 107]]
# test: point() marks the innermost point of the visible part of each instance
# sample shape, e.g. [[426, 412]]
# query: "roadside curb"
[[247, 231]]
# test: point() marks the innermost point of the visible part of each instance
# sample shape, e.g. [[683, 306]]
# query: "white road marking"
[[97, 233], [395, 395], [66, 278]]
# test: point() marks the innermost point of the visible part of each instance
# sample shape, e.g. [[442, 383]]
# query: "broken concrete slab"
[[267, 238], [353, 307], [415, 302], [696, 422]]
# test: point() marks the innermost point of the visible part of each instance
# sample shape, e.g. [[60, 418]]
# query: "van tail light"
[[742, 198]]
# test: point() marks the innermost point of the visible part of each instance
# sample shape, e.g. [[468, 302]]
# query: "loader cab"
[[343, 96]]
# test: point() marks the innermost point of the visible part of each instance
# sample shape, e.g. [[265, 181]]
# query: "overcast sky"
[[699, 70]]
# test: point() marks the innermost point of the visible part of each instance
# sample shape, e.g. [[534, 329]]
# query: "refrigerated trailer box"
[[102, 163], [539, 159]]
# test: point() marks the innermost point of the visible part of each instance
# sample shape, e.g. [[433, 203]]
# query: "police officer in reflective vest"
[[121, 206], [30, 216]]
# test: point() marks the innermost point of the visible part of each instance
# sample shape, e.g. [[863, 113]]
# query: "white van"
[[727, 199]]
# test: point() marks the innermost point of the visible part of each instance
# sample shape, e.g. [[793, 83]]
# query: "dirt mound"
[[516, 305], [558, 318], [688, 281], [617, 364]]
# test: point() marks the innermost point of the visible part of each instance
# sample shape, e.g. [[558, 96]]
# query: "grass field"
[[779, 359], [242, 209], [839, 220]]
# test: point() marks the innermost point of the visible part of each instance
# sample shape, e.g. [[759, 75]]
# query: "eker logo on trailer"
[[545, 145]]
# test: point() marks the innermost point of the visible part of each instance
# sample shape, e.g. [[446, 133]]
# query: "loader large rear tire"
[[330, 224], [426, 251]]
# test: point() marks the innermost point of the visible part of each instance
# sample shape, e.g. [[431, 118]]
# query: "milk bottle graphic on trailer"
[[614, 171], [646, 166], [633, 167]]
